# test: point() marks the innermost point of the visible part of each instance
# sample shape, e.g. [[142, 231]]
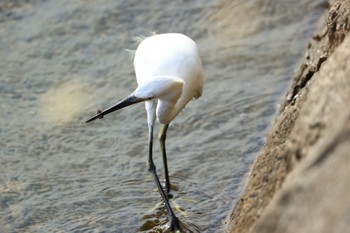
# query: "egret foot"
[[175, 225], [169, 195]]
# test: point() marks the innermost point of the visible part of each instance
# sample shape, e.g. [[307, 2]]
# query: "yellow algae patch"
[[63, 103], [12, 187]]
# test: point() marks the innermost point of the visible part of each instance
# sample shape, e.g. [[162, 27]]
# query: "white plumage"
[[169, 74], [168, 68]]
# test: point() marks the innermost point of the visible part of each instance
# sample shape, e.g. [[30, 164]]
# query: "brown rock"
[[308, 144], [315, 195]]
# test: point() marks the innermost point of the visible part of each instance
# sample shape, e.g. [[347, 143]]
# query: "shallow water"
[[61, 60]]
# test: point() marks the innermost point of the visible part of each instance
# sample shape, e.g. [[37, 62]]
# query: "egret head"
[[168, 88]]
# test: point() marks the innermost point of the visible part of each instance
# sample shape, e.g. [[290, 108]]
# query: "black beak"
[[130, 100]]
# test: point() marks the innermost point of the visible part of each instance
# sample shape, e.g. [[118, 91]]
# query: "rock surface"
[[300, 181]]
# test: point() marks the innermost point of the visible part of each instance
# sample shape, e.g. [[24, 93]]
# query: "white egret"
[[169, 74]]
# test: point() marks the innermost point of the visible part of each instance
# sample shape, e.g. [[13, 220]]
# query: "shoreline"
[[314, 117]]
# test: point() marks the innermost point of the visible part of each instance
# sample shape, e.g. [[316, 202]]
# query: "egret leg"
[[174, 222], [162, 138]]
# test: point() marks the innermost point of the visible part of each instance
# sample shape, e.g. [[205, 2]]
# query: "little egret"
[[169, 74]]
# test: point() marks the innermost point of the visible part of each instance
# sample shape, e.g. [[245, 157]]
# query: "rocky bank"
[[300, 182]]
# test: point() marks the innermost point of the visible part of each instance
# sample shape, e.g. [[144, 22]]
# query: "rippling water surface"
[[61, 60]]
